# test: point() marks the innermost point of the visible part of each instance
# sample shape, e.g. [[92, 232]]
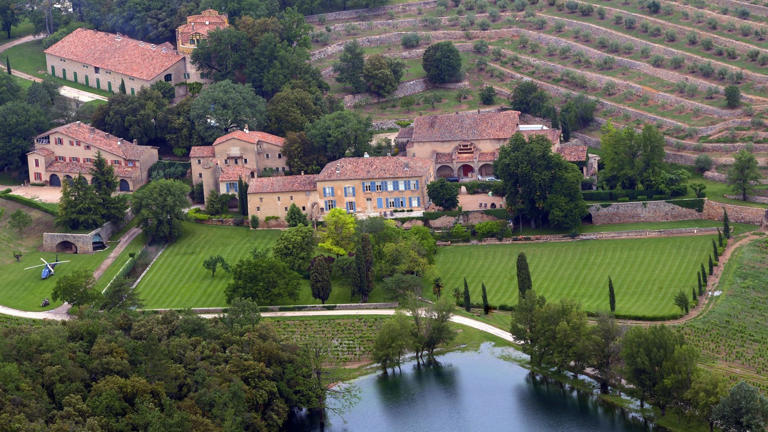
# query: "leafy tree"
[[320, 277], [341, 133], [79, 206], [658, 363], [743, 174], [44, 94], [295, 247], [291, 110], [9, 90], [442, 63], [10, 15], [431, 327], [577, 113], [382, 74], [399, 286], [437, 287], [703, 163], [444, 193], [158, 208], [604, 346], [225, 106], [302, 154], [363, 278], [524, 283], [76, 288], [732, 96], [611, 295], [213, 261], [120, 295], [467, 304], [263, 279], [726, 225], [699, 189], [486, 306], [632, 159], [488, 95], [21, 123], [19, 221], [242, 314], [681, 301], [392, 341], [707, 389], [538, 183], [743, 409], [528, 98], [349, 69], [105, 183], [338, 237], [17, 255], [295, 216]]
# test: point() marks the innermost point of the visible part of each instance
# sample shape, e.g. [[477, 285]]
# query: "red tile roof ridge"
[[201, 151], [466, 126], [296, 183], [87, 134], [252, 137], [360, 168]]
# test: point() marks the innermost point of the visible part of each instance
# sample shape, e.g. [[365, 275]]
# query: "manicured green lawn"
[[134, 246], [178, 280], [646, 272]]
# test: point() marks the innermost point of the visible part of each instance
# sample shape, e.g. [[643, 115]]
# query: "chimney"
[[365, 154], [135, 142], [92, 130], [302, 172], [389, 154], [338, 168], [119, 141], [207, 22], [245, 128], [407, 167]]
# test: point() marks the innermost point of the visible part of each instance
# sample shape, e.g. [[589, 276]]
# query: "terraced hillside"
[[665, 63]]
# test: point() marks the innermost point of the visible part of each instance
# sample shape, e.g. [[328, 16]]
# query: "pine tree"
[[714, 248], [8, 65], [693, 295], [726, 225], [711, 266], [122, 86], [611, 295], [467, 305], [523, 276], [105, 182], [701, 287], [719, 238], [486, 307]]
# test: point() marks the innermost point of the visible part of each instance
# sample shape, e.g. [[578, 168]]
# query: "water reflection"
[[475, 391]]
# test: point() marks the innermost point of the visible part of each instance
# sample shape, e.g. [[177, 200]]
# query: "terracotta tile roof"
[[207, 21], [85, 167], [234, 172], [201, 151], [405, 133], [101, 140], [576, 153], [42, 151], [361, 168], [551, 134], [115, 53], [466, 126], [296, 183], [251, 137]]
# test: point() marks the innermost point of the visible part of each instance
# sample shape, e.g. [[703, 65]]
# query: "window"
[[38, 177], [261, 199], [379, 203], [130, 79], [168, 78], [96, 69], [328, 191], [415, 185], [245, 161], [87, 160], [303, 208], [115, 162], [85, 66], [285, 208], [198, 162], [391, 202], [231, 187], [133, 92], [37, 163], [279, 155], [367, 186], [235, 161], [77, 143], [226, 161], [415, 202], [349, 191], [74, 159], [379, 186], [61, 158], [283, 169], [396, 185], [71, 143], [87, 147], [266, 155], [407, 185], [278, 197], [186, 75], [291, 197], [130, 163], [350, 206], [59, 141], [199, 175], [258, 208], [330, 204]]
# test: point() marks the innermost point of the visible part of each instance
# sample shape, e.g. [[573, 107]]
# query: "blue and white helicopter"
[[47, 267]]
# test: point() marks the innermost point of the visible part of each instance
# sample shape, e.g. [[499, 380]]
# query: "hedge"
[[196, 214], [439, 214], [498, 213], [51, 209], [694, 203]]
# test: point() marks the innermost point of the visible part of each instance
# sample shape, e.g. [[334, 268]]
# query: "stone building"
[[189, 35], [365, 186], [66, 151], [105, 60], [239, 154], [464, 145]]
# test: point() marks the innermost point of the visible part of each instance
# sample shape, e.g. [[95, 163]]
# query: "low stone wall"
[[82, 241], [662, 211], [371, 12], [590, 236]]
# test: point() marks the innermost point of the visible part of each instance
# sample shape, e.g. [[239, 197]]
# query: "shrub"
[[487, 95], [703, 163], [410, 40], [601, 12], [692, 38], [655, 31], [732, 96], [559, 26], [488, 228], [572, 6], [586, 9], [670, 35], [254, 221], [657, 61], [676, 62], [480, 46], [629, 23], [707, 44], [753, 54], [459, 233], [618, 19], [484, 24], [645, 27]]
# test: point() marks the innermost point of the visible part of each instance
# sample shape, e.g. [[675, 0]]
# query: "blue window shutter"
[[324, 194], [373, 186], [354, 208], [418, 201], [386, 203], [407, 185], [353, 191], [363, 189], [345, 191], [396, 185], [415, 185], [333, 192], [378, 203]]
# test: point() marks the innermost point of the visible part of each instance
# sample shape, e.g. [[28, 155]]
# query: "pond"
[[476, 391]]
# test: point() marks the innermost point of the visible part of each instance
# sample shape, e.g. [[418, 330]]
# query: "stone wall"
[[407, 88], [83, 242], [662, 211], [371, 12]]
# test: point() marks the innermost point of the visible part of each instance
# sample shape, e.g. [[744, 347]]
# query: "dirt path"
[[125, 240]]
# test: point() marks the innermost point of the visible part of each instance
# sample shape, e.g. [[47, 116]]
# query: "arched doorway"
[[445, 171], [124, 186], [66, 247], [97, 242], [54, 180], [68, 179], [486, 170], [466, 170]]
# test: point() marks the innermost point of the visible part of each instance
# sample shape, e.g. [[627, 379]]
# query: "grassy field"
[[24, 28], [646, 272], [178, 280], [732, 335]]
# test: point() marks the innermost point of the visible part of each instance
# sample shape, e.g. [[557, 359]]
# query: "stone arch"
[[124, 186], [66, 247], [486, 170], [54, 180], [445, 171], [68, 178], [466, 170]]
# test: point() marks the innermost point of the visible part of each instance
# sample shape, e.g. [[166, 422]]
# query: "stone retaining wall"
[[82, 241], [662, 211], [371, 12]]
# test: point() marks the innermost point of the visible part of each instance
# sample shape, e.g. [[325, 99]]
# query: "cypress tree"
[[122, 86], [242, 196], [698, 278], [719, 238], [726, 225], [8, 65], [611, 295], [486, 307], [714, 248], [711, 266], [523, 276], [703, 275], [467, 306]]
